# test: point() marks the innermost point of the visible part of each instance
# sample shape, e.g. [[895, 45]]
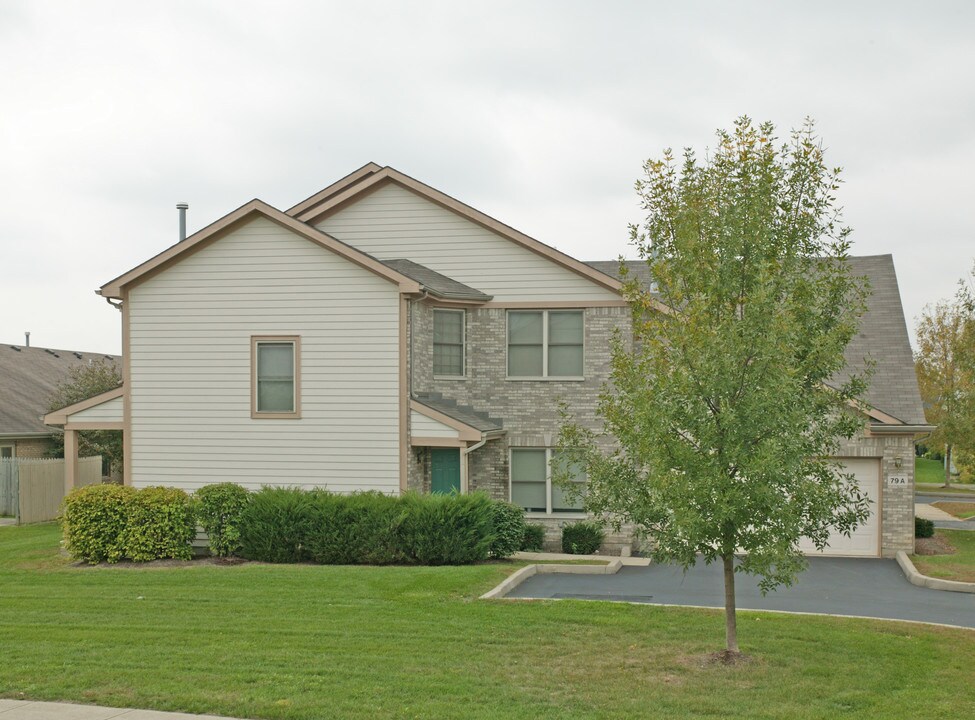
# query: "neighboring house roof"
[[462, 413], [28, 378], [435, 283], [882, 337], [371, 176], [237, 218]]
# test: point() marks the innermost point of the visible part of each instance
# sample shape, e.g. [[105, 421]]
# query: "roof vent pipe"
[[27, 338], [182, 207]]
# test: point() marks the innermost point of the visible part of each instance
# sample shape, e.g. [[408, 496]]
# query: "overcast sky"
[[538, 113]]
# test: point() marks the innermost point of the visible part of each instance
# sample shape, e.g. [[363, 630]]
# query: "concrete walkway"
[[930, 512], [28, 710], [864, 587]]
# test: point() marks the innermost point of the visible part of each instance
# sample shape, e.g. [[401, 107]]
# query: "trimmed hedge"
[[582, 538], [277, 523], [356, 529], [446, 529], [161, 524], [533, 537], [93, 519], [923, 528], [219, 509], [108, 523], [509, 529]]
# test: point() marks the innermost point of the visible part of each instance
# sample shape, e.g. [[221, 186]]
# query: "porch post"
[[70, 460]]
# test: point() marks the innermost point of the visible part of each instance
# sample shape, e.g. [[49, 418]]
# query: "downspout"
[[464, 469]]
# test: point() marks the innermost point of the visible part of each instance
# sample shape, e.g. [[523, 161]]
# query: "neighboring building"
[[28, 378], [381, 335]]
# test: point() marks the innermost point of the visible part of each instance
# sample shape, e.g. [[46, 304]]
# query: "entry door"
[[445, 470]]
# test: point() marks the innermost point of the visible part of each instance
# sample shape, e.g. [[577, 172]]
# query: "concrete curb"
[[517, 578], [916, 578]]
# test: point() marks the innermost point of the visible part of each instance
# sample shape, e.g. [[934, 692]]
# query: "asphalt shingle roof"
[[436, 283], [462, 413], [882, 337], [28, 377]]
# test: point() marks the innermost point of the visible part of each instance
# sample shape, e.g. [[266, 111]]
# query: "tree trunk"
[[730, 618], [947, 465]]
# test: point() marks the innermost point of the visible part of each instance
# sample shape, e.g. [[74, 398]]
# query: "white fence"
[[32, 490]]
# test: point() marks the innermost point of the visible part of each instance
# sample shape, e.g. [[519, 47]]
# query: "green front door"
[[445, 470]]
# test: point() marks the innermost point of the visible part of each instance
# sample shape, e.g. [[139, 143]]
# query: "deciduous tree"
[[83, 382], [721, 413]]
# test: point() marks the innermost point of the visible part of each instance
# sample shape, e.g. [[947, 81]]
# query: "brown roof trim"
[[237, 217], [336, 187], [875, 414], [331, 201], [464, 431], [60, 417]]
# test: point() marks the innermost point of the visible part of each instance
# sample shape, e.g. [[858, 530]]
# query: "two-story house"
[[382, 335]]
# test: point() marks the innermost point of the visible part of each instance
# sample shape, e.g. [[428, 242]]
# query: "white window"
[[531, 483], [276, 377], [448, 343], [545, 344]]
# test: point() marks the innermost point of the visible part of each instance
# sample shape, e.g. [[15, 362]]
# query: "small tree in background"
[[945, 365], [722, 414], [83, 382]]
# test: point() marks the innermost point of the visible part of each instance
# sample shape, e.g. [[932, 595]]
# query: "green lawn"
[[961, 510], [959, 566], [932, 472], [338, 642]]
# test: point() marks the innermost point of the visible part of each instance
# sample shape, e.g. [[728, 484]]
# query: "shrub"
[[93, 519], [533, 538], [219, 509], [923, 528], [276, 524], [582, 538], [356, 529], [446, 529], [160, 524], [509, 529]]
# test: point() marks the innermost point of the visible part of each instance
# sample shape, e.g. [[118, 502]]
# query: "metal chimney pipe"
[[27, 338], [182, 207]]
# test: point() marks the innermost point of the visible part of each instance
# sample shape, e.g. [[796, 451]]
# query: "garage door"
[[865, 540]]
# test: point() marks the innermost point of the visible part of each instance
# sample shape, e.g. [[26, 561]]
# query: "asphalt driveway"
[[833, 586]]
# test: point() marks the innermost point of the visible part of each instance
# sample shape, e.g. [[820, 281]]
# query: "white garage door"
[[865, 540]]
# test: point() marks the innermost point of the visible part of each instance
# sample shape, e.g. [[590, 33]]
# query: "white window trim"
[[295, 340], [463, 344], [549, 512], [545, 376], [13, 449]]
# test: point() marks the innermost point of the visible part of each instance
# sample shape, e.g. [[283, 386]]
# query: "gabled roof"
[[60, 416], [238, 217], [464, 414], [368, 178], [435, 283], [882, 339], [28, 378]]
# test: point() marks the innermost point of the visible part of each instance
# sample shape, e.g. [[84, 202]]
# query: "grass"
[[959, 566], [932, 473], [307, 642], [961, 510]]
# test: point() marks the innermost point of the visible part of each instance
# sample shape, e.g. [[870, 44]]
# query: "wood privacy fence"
[[32, 490]]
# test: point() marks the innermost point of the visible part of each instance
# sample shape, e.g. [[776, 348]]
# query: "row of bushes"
[[286, 525]]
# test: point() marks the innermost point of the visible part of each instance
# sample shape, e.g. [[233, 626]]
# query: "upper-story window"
[[276, 377], [448, 343], [545, 343]]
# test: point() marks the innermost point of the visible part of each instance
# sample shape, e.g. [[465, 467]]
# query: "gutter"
[[901, 429]]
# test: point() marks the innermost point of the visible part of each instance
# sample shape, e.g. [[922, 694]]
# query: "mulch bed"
[[936, 545]]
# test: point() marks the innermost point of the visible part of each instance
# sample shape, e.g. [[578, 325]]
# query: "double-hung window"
[[448, 343], [545, 344], [276, 377], [532, 487]]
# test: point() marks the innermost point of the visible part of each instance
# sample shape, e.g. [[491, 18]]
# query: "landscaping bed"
[[949, 555], [312, 641]]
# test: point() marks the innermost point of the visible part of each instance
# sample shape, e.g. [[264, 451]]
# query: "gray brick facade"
[[529, 410]]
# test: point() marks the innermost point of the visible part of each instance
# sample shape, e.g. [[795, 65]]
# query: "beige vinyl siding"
[[108, 411], [190, 380], [394, 222], [422, 426]]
